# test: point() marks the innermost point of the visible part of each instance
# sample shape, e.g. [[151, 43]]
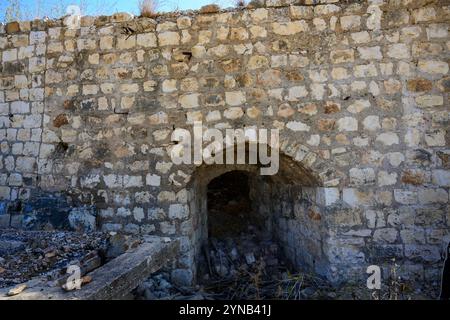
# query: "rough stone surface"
[[359, 91]]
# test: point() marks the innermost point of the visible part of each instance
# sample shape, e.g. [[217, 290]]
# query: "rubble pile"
[[28, 254], [249, 266]]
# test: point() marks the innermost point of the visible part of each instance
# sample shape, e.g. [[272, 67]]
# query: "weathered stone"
[[359, 177], [297, 126], [419, 85], [289, 28], [386, 235], [358, 92], [433, 66], [347, 124], [342, 56]]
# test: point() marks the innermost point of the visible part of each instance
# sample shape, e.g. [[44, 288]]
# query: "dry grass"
[[148, 8], [240, 3]]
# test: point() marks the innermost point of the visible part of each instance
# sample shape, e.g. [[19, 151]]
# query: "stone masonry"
[[358, 89]]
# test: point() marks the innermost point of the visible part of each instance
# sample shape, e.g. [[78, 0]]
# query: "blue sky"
[[33, 8]]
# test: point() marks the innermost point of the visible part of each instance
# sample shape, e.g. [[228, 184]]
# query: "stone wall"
[[358, 89]]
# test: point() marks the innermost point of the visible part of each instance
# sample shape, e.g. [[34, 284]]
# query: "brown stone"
[[231, 65], [417, 85], [86, 280], [12, 27], [326, 124], [294, 76], [257, 94], [413, 178], [309, 109], [69, 105], [210, 82], [313, 215], [60, 121], [445, 158], [210, 8], [331, 107], [245, 80]]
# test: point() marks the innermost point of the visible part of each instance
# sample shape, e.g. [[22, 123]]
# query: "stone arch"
[[289, 201]]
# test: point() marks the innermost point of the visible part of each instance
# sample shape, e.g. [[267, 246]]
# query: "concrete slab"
[[112, 281]]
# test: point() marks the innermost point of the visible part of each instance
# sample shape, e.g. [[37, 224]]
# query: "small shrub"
[[148, 8], [240, 3]]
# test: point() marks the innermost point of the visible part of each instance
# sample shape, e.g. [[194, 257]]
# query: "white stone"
[[147, 40], [317, 91], [153, 180], [388, 138], [370, 53], [437, 31], [361, 37], [189, 101], [353, 197], [169, 38], [9, 55], [350, 22], [386, 179], [433, 66], [20, 107], [233, 113], [441, 178], [347, 124], [235, 98], [169, 86], [428, 101], [289, 28], [360, 177], [405, 196], [213, 116], [358, 106], [330, 196], [295, 93], [138, 214], [314, 140], [297, 126], [427, 196], [398, 51], [435, 138], [132, 181], [372, 123], [178, 211]]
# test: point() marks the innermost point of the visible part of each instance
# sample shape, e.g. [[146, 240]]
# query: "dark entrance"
[[230, 210]]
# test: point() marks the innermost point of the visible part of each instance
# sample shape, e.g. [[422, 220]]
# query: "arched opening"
[[246, 224]]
